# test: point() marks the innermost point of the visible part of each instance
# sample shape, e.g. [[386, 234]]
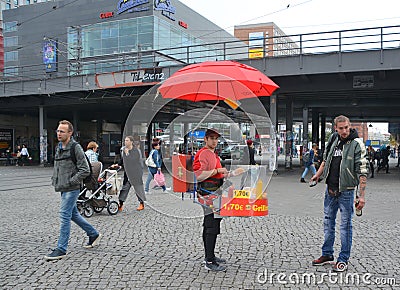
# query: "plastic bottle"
[[358, 211]]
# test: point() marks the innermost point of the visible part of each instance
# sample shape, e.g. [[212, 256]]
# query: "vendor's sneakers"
[[93, 241], [218, 260], [56, 254], [339, 267], [214, 266], [140, 207], [322, 260]]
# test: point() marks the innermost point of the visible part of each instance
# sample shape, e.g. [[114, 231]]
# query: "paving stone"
[[153, 250]]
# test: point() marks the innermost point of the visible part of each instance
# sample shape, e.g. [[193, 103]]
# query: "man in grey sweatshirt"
[[67, 179]]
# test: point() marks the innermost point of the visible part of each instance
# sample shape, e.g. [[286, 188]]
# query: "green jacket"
[[67, 175], [354, 162]]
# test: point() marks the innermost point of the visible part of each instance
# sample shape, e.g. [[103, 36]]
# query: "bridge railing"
[[372, 38], [375, 38]]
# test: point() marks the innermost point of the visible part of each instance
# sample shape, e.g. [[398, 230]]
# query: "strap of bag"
[[328, 147]]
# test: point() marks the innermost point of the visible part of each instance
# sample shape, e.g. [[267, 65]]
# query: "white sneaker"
[[168, 189]]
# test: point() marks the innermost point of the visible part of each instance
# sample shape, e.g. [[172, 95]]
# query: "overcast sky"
[[301, 16]]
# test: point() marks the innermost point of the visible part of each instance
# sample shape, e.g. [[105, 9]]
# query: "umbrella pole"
[[209, 112]]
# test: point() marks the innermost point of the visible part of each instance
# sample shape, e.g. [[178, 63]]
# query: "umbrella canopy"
[[217, 80]]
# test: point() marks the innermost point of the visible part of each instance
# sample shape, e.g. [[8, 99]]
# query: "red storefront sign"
[[104, 15]]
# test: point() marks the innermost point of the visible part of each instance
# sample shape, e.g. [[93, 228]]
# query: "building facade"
[[266, 39], [47, 45], [103, 36]]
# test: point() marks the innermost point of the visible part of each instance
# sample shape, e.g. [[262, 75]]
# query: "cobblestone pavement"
[[151, 250]]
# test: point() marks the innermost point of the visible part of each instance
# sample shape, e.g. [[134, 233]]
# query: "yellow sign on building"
[[256, 53]]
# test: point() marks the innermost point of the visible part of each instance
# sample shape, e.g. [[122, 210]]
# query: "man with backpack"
[[308, 161], [67, 178]]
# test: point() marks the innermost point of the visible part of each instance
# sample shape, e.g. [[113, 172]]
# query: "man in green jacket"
[[67, 178], [345, 167]]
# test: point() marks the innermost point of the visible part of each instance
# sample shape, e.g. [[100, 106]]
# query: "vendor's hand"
[[114, 166], [223, 171], [361, 202], [237, 171]]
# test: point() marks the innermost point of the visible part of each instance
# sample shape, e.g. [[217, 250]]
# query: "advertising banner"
[[50, 55], [243, 207], [6, 140], [245, 202]]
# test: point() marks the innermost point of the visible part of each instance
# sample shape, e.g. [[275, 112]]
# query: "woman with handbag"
[[154, 163], [133, 172]]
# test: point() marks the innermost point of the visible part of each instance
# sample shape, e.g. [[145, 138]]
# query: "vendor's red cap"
[[249, 142], [212, 131]]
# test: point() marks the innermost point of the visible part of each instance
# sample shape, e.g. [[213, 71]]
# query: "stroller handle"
[[115, 167]]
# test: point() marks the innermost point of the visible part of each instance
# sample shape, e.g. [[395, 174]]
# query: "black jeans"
[[211, 229], [371, 167]]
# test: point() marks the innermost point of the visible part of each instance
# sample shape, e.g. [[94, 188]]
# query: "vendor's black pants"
[[211, 229]]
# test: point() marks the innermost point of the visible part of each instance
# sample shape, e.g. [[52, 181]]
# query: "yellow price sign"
[[241, 194]]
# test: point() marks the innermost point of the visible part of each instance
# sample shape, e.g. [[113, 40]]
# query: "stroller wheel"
[[88, 210], [98, 209], [112, 207], [81, 208]]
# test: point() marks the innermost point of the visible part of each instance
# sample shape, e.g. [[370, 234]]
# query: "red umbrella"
[[217, 80]]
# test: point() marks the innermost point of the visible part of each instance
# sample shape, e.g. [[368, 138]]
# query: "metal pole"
[[43, 138]]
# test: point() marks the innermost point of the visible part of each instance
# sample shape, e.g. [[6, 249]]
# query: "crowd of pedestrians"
[[344, 150]]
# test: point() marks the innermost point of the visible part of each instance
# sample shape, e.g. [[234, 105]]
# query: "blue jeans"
[[68, 212], [150, 177], [309, 167], [345, 202]]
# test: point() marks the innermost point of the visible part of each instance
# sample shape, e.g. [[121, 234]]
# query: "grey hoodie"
[[66, 175]]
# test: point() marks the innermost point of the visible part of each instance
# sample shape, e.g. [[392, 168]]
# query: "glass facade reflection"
[[122, 45]]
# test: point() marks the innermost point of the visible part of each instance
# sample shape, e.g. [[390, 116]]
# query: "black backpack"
[[89, 181], [306, 157]]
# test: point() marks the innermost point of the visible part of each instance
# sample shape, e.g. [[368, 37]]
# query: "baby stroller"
[[98, 194]]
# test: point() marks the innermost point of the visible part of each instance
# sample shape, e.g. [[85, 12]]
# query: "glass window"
[[11, 71], [10, 41], [11, 56], [128, 28], [109, 30], [109, 45], [10, 26], [163, 35], [145, 24], [128, 43], [176, 39], [145, 41]]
